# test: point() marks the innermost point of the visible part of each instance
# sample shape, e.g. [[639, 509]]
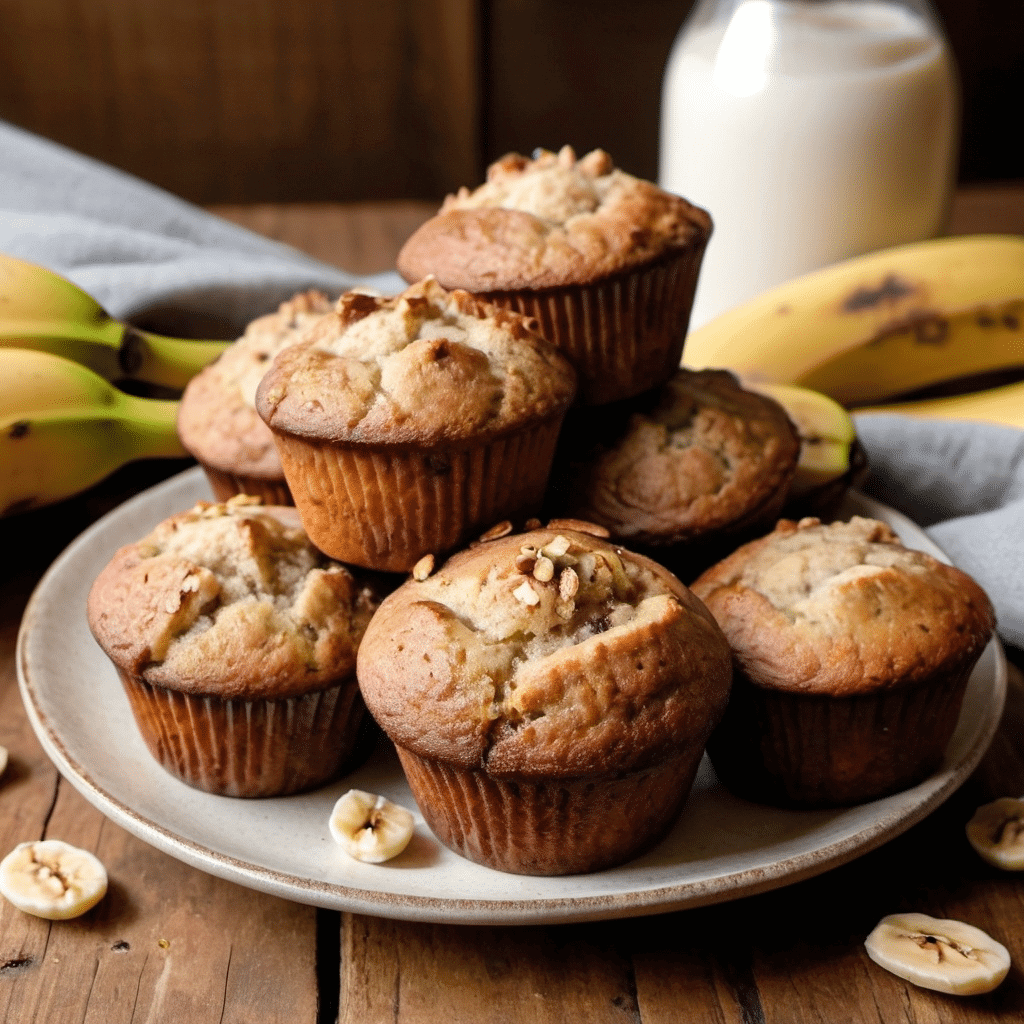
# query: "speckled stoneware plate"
[[720, 849]]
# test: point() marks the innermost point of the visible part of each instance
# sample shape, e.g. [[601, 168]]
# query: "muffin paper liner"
[[227, 485], [623, 334], [549, 826], [250, 748], [806, 750], [385, 508]]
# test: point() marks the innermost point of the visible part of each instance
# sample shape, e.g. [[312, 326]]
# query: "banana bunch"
[[873, 330], [63, 425], [64, 428], [41, 310]]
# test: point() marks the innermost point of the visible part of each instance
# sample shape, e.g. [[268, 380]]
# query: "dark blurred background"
[[236, 101]]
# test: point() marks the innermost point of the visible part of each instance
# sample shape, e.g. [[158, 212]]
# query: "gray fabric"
[[134, 247], [964, 483]]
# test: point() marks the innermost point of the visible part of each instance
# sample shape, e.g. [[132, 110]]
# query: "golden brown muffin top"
[[233, 600], [704, 455], [552, 652], [844, 608], [217, 418], [425, 366], [549, 222]]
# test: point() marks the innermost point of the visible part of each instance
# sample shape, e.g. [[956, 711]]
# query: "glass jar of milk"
[[810, 130]]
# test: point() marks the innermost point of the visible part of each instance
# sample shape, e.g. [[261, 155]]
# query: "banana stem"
[[171, 362], [147, 428], [115, 350]]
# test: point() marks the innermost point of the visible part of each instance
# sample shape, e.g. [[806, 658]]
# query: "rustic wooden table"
[[170, 943]]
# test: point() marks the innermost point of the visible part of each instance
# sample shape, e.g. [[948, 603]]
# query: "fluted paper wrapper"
[[805, 750], [226, 485], [246, 748], [384, 507], [551, 826], [624, 334]]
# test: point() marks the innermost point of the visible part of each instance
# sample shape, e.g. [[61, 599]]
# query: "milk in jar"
[[811, 131]]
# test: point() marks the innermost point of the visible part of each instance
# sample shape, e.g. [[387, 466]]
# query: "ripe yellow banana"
[[1004, 405], [41, 310], [880, 325], [63, 428]]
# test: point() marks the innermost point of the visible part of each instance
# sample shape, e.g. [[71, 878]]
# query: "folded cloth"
[[134, 247], [964, 483]]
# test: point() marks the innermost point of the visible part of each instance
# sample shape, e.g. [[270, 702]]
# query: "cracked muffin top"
[[553, 652], [704, 455], [548, 222], [217, 418], [844, 608], [425, 366], [233, 600]]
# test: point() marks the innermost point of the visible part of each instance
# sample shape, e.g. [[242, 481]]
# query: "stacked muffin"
[[549, 692]]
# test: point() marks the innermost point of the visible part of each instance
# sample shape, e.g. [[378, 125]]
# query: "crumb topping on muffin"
[[844, 607], [425, 365], [230, 598], [551, 648], [708, 454], [217, 418], [550, 221]]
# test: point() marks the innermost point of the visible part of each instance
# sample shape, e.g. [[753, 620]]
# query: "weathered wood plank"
[[395, 971]]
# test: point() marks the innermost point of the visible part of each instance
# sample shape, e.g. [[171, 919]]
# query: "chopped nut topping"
[[564, 609], [501, 529], [544, 569], [525, 593], [557, 547], [525, 562], [423, 568], [568, 583]]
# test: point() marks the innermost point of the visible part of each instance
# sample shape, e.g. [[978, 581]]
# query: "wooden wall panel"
[[589, 72], [582, 72], [241, 100], [229, 101]]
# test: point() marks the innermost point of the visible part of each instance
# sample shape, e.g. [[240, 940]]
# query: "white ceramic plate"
[[720, 849]]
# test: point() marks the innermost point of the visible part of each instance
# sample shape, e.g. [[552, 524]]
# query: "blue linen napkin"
[[134, 247]]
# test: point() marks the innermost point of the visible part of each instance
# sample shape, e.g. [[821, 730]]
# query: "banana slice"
[[52, 879], [997, 832], [370, 828], [945, 956]]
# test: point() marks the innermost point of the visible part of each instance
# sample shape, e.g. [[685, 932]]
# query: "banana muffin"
[[217, 419], [405, 425], [684, 475], [606, 262], [235, 640], [549, 694], [852, 654]]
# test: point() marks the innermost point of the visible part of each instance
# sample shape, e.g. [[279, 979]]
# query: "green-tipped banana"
[[42, 310], [63, 428], [827, 434]]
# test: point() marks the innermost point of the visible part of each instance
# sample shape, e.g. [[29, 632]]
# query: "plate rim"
[[517, 911]]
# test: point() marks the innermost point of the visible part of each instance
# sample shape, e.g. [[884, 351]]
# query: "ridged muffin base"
[[251, 748], [549, 826]]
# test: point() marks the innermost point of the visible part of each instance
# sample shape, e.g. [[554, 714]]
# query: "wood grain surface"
[[172, 944], [331, 100]]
